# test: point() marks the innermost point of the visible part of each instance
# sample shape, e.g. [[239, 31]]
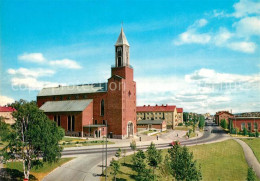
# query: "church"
[[94, 110]]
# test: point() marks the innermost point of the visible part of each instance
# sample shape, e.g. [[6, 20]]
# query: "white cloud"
[[65, 63], [248, 26], [32, 57], [246, 7], [4, 100], [31, 83], [189, 37], [31, 72], [246, 47]]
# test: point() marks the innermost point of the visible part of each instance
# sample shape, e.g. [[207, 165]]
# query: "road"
[[84, 167]]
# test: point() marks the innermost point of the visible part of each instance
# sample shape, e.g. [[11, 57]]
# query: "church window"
[[102, 112], [119, 62], [73, 123], [95, 121], [69, 123], [58, 120]]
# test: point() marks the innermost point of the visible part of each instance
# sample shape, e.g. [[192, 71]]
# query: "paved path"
[[250, 157]]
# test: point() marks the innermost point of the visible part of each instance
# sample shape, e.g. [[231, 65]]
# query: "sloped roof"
[[73, 89], [149, 108], [121, 40], [66, 106], [159, 121], [7, 109], [179, 110]]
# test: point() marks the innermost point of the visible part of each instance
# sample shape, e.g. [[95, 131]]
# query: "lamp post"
[[106, 150]]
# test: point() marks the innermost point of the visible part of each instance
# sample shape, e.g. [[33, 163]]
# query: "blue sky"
[[200, 55]]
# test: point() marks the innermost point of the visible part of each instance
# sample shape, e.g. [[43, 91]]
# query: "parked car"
[[174, 143]]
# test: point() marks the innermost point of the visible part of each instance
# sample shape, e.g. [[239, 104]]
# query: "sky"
[[203, 55]]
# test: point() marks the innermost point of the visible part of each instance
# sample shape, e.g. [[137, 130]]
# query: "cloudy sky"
[[203, 56]]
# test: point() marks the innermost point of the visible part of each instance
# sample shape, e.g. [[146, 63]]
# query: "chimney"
[[144, 105], [156, 105], [162, 104], [148, 105]]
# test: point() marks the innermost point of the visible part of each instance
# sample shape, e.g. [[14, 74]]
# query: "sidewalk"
[[250, 157]]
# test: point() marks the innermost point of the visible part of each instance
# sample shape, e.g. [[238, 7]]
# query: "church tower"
[[121, 94], [121, 50]]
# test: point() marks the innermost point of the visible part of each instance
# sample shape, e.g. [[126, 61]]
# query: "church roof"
[[66, 106], [73, 89], [121, 40]]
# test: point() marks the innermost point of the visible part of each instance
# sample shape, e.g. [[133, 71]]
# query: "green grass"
[[183, 128], [16, 169], [149, 131], [219, 161], [254, 144]]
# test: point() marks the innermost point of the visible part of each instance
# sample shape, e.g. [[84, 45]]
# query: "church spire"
[[121, 40]]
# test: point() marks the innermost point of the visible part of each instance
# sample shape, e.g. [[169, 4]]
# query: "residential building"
[[84, 110], [163, 112], [6, 114], [180, 115]]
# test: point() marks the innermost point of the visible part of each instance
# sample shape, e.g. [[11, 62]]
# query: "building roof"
[[223, 112], [179, 110], [73, 89], [243, 118], [159, 121], [65, 106], [121, 40], [156, 108], [94, 126], [7, 109]]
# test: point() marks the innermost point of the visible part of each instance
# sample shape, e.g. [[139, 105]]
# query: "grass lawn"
[[83, 143], [254, 144], [183, 128], [219, 161], [16, 169]]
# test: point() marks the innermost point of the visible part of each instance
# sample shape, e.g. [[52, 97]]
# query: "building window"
[[102, 112], [73, 123], [55, 118], [95, 121], [255, 126], [69, 123], [242, 126], [68, 97], [85, 96], [104, 122], [77, 96], [60, 97], [249, 126], [54, 98], [59, 120]]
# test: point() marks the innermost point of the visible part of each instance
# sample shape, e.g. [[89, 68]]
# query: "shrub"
[[257, 134], [180, 124], [245, 132]]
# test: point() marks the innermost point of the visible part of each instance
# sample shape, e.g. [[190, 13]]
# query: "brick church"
[[93, 110]]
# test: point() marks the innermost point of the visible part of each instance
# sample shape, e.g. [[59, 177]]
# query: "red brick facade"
[[222, 115], [119, 102], [251, 124]]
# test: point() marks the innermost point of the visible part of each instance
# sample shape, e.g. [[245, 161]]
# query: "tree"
[[3, 129], [201, 122], [133, 145], [251, 176], [115, 167], [118, 153], [154, 156], [223, 123], [139, 165], [245, 132], [32, 136], [181, 165], [185, 117]]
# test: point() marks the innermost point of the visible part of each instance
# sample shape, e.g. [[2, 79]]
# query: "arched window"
[[102, 106], [119, 51]]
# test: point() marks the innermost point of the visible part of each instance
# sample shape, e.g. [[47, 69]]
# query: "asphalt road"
[[84, 166]]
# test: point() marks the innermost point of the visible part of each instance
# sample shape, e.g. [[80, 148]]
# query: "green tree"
[[185, 117], [133, 145], [251, 176], [181, 165], [223, 123], [32, 136], [201, 122], [245, 132], [257, 134], [154, 156], [139, 165], [118, 153], [115, 167], [3, 129]]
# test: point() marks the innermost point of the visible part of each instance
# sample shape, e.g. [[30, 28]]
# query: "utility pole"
[[106, 151]]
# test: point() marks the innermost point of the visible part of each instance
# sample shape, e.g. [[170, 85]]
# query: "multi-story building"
[[180, 115], [250, 123], [6, 114], [163, 112], [84, 110], [222, 115]]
